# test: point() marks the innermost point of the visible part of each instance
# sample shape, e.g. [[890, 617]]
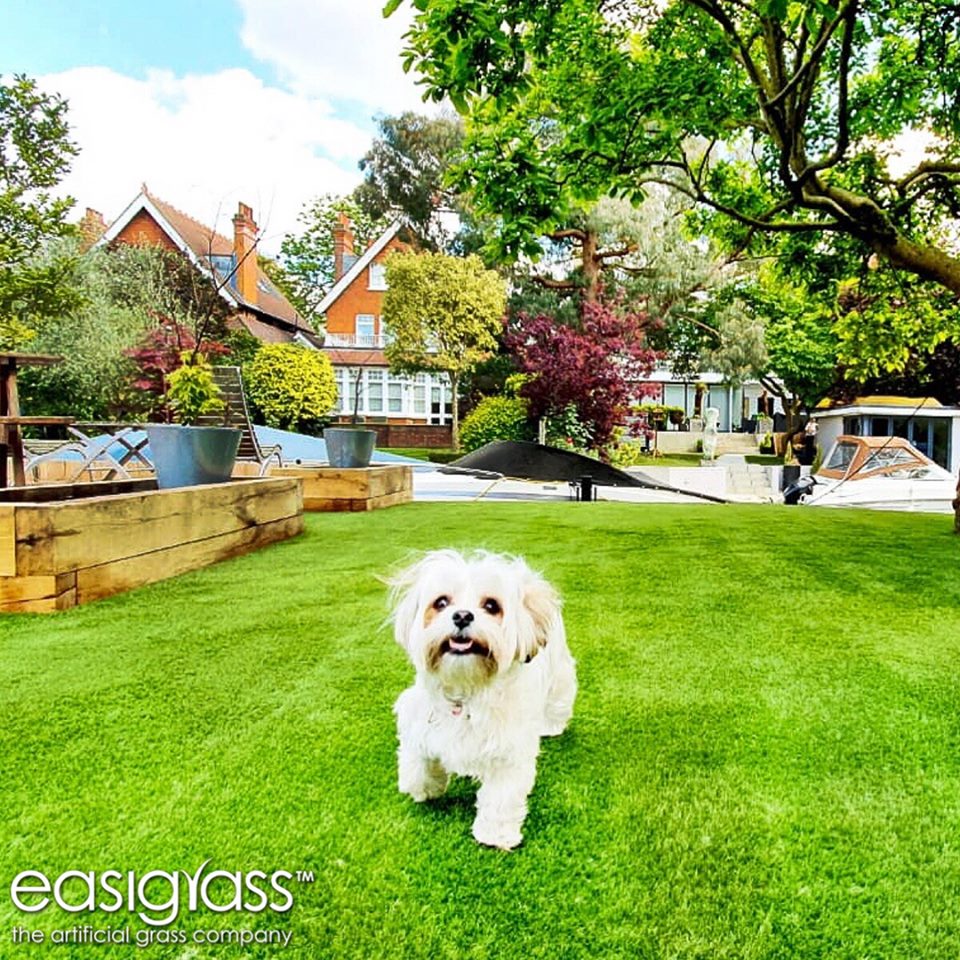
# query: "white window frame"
[[371, 376], [377, 277]]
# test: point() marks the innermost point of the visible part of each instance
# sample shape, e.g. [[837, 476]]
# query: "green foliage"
[[567, 431], [115, 298], [242, 347], [191, 390], [741, 353], [305, 269], [532, 298], [885, 323], [293, 387], [777, 118], [42, 289], [496, 418], [444, 314], [35, 154], [15, 335], [801, 345], [107, 315], [405, 174], [625, 453]]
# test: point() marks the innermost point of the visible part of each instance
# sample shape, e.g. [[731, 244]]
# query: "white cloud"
[[336, 49], [203, 143]]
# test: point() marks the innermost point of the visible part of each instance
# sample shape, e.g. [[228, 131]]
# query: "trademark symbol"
[[305, 876]]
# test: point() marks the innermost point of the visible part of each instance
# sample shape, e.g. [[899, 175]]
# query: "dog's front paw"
[[425, 790], [505, 836], [423, 781]]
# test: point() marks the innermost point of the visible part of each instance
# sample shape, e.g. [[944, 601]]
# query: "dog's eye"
[[441, 602], [491, 606]]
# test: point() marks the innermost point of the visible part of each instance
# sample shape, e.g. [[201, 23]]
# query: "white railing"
[[371, 341]]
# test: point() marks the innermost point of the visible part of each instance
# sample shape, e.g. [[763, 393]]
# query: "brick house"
[[356, 335], [257, 305]]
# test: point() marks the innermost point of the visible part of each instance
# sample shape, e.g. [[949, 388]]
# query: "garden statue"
[[711, 420]]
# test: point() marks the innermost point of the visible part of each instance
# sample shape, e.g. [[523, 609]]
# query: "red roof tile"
[[205, 242]]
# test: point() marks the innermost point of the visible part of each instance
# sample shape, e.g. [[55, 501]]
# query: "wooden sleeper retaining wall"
[[58, 554]]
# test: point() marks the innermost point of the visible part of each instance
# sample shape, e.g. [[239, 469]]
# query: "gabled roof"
[[198, 243], [361, 264]]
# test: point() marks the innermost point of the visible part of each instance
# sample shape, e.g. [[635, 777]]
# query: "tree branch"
[[816, 55], [622, 252], [571, 233], [779, 226], [552, 284], [923, 170], [843, 98], [713, 10]]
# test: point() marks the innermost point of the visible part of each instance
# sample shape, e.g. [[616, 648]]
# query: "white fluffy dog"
[[493, 675]]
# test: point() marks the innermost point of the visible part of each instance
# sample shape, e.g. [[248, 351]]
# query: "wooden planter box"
[[64, 545], [363, 488]]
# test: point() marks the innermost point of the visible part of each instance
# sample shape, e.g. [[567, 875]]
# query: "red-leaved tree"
[[597, 367], [158, 354]]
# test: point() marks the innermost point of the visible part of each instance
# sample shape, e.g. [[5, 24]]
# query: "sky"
[[214, 102]]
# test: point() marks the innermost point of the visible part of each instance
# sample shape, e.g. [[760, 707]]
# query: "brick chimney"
[[342, 244], [92, 228], [245, 250]]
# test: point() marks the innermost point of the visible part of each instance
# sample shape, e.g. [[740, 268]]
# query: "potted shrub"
[[656, 414], [185, 454]]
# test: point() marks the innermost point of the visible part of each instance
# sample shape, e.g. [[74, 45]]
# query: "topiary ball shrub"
[[495, 418], [293, 387]]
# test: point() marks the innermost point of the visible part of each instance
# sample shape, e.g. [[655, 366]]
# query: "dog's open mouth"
[[461, 646]]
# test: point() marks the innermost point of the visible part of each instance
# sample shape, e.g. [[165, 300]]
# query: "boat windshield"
[[889, 458], [841, 457]]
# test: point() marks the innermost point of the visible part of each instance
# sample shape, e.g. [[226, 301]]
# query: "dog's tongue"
[[460, 643]]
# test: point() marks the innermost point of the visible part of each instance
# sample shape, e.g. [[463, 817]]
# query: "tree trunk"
[[928, 263], [871, 224], [793, 413], [455, 411], [591, 267], [355, 418], [956, 511]]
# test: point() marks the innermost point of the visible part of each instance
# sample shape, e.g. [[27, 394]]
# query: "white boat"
[[880, 473]]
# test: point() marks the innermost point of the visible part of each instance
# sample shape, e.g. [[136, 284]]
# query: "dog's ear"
[[404, 597], [403, 600], [542, 604]]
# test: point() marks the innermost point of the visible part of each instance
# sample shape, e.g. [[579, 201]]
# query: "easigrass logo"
[[158, 896]]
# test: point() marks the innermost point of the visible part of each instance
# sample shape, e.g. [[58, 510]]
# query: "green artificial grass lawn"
[[764, 760], [423, 453]]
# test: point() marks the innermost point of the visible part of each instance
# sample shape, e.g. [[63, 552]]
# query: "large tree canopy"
[[35, 154], [404, 174], [777, 116]]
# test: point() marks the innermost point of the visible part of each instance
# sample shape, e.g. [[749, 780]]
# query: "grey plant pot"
[[187, 456], [349, 448]]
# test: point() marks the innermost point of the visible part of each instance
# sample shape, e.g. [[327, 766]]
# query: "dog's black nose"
[[462, 619]]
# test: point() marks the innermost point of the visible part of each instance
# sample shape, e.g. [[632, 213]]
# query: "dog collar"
[[456, 706]]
